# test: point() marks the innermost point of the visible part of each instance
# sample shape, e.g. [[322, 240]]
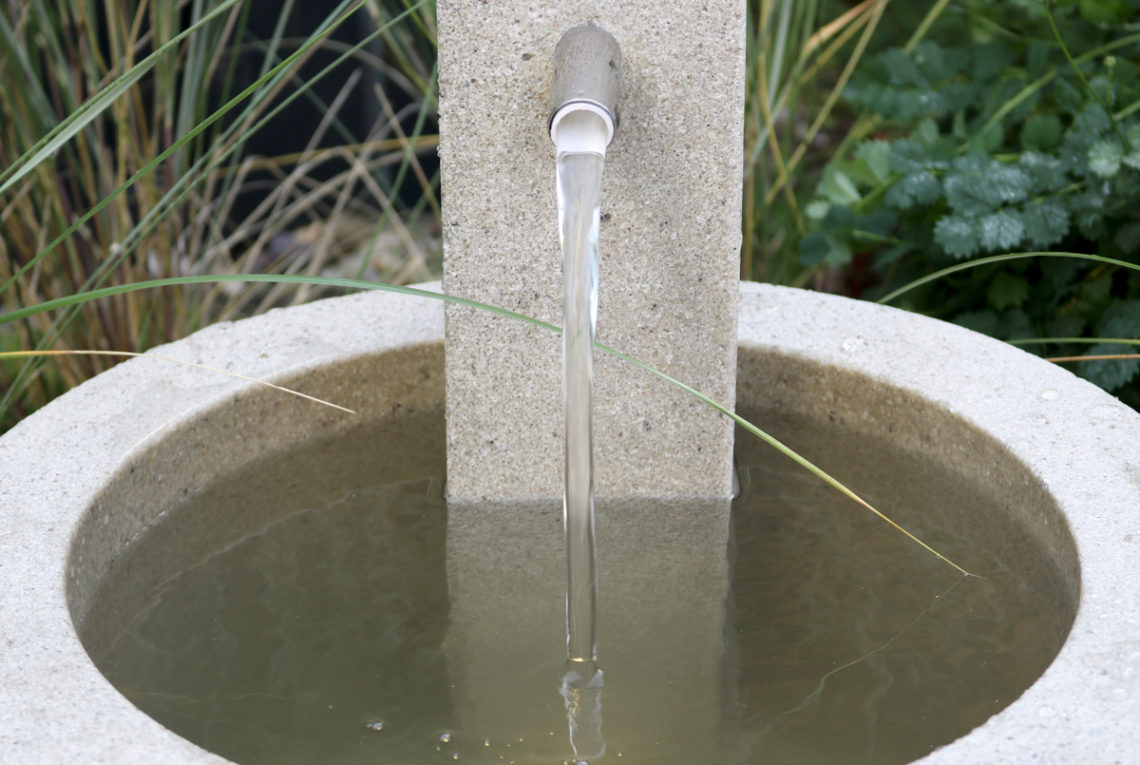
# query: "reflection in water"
[[342, 633]]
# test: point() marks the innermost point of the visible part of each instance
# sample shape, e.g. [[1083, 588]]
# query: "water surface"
[[323, 636]]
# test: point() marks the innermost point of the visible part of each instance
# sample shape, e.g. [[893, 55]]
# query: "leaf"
[[1046, 223], [1106, 11], [1066, 325], [875, 156], [880, 222], [1127, 238], [1046, 173], [1061, 274], [926, 133], [1016, 325], [1109, 375], [1040, 132], [1075, 150], [1069, 96], [989, 140], [980, 185], [1120, 319], [1132, 158], [817, 209], [990, 59], [1037, 56], [907, 156], [838, 219], [1002, 230], [1007, 290], [824, 248], [932, 61], [838, 188], [1095, 290], [814, 248], [985, 322], [957, 235], [1105, 157], [918, 188], [884, 258], [1092, 118], [1091, 224]]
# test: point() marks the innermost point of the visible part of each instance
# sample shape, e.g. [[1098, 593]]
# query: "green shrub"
[[1008, 141]]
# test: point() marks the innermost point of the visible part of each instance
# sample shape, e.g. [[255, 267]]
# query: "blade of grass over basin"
[[787, 451], [412, 291], [171, 360], [1095, 357], [1061, 340], [1001, 259], [1084, 340]]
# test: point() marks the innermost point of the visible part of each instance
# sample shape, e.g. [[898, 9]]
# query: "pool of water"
[[300, 610]]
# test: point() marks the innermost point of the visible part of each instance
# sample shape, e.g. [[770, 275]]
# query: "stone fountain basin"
[[92, 471]]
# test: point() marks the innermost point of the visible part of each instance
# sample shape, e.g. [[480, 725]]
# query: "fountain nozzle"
[[587, 73]]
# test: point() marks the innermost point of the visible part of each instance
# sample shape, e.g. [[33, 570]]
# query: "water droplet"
[[486, 742], [445, 737], [376, 725], [455, 755]]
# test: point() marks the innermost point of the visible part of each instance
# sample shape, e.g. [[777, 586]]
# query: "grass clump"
[[146, 141]]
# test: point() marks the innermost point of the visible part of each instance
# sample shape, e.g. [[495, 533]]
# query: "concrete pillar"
[[668, 252], [668, 269]]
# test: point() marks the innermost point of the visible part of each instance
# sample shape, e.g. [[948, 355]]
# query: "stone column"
[[668, 248], [668, 267]]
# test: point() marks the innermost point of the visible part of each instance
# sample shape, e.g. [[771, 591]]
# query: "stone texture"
[[668, 252]]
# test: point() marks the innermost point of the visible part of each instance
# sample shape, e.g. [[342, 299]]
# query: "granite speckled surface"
[[668, 251]]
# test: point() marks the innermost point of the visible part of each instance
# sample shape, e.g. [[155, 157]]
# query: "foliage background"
[[1007, 127], [884, 141]]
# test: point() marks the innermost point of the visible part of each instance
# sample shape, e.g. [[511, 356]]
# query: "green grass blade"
[[1001, 259], [357, 284], [66, 130], [196, 365], [786, 450], [1065, 340]]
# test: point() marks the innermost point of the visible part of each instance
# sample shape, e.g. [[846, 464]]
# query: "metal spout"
[[587, 75]]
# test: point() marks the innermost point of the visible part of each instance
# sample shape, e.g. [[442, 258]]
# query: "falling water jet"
[[587, 64]]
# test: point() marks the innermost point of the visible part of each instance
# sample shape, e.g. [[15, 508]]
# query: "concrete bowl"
[[90, 473]]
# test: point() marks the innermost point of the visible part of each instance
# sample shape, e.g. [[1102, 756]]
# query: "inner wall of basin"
[[856, 407], [142, 504]]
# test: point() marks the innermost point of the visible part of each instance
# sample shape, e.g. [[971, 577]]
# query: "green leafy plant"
[[1007, 142]]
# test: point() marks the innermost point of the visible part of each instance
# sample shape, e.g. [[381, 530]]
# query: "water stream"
[[579, 200]]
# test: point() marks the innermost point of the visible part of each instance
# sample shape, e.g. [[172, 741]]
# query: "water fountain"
[[110, 464]]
